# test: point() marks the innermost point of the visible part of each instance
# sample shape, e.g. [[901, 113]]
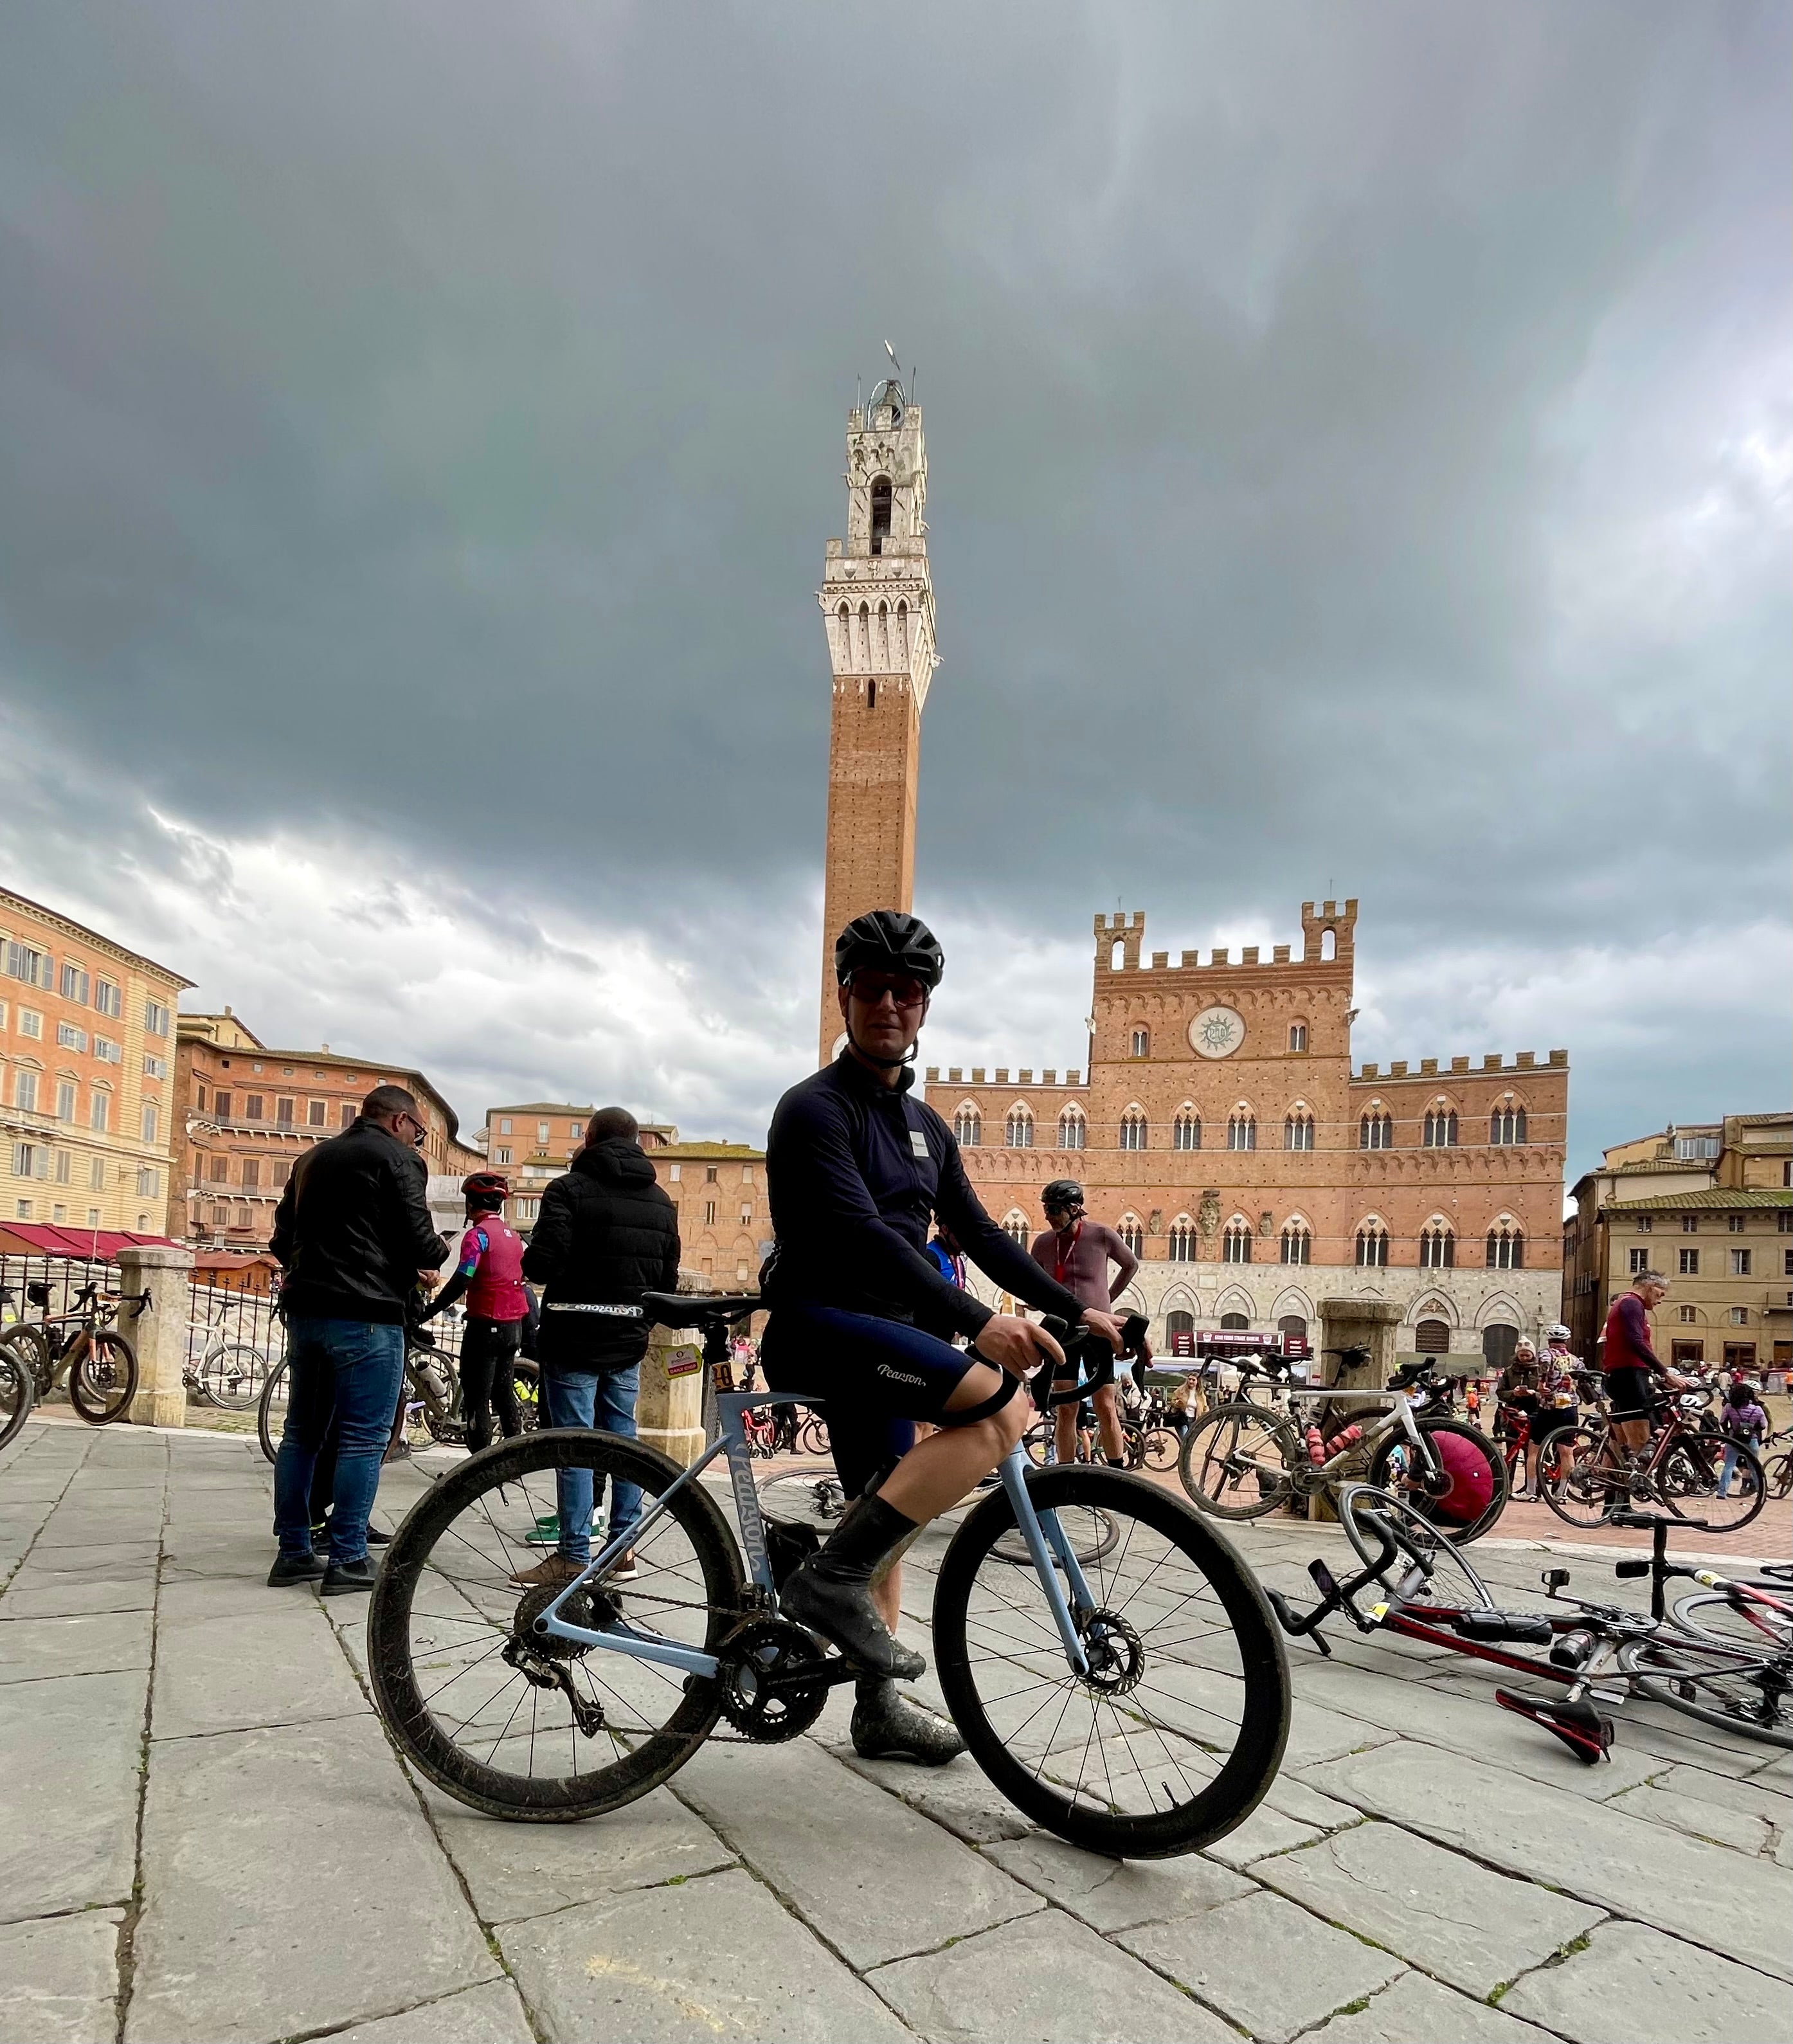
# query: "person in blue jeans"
[[352, 1233], [606, 1234]]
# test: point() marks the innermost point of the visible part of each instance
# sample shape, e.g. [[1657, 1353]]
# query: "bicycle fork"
[[1050, 1547]]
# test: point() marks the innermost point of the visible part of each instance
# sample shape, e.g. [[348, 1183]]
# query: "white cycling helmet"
[[1558, 1332]]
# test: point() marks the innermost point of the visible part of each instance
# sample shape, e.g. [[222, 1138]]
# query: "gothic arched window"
[[1241, 1130], [1015, 1226], [1438, 1246], [1019, 1131], [1298, 1036], [1506, 1247], [1506, 1125], [1132, 1233], [1235, 1241], [1186, 1130], [1298, 1131], [1372, 1246], [1441, 1127], [881, 511], [1377, 1131], [1133, 1129], [1073, 1130], [1298, 1242], [967, 1127], [1141, 1043], [1182, 1240]]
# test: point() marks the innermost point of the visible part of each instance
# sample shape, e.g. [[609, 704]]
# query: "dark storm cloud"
[[1359, 450]]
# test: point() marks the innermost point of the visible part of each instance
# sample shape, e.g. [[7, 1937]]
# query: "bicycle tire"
[[1220, 1446], [804, 1497], [1704, 1613], [102, 1380], [1584, 1494], [33, 1341], [18, 1392], [1447, 1511], [1227, 1747], [1094, 1533], [228, 1367], [812, 1436], [1162, 1448], [1689, 1485], [274, 1392], [408, 1649], [1133, 1443], [1424, 1551], [1693, 1678], [1779, 1475], [1036, 1444]]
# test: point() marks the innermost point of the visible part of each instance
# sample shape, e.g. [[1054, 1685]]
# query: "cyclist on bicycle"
[[1631, 1365], [856, 1168], [489, 1274], [1078, 1251]]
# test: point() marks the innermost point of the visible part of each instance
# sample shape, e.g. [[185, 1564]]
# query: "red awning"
[[81, 1245]]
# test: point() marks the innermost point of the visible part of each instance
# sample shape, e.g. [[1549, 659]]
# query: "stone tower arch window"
[[1297, 1242], [1133, 1233], [968, 1126], [1507, 1125], [1015, 1226], [1019, 1129], [1440, 1126], [1073, 1130], [1438, 1245], [881, 511], [1373, 1245], [1375, 1130], [1133, 1129], [1235, 1241], [1182, 1240], [1298, 1129], [1242, 1128], [1298, 1036], [1186, 1130], [1141, 1041], [1329, 945], [1505, 1245]]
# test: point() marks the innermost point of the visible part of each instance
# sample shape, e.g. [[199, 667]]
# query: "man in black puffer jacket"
[[606, 1234]]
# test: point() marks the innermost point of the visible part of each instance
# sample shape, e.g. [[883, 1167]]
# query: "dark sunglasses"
[[904, 988]]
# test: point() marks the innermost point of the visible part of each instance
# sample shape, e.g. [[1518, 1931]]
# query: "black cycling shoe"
[[831, 1592], [344, 1578], [887, 1725], [294, 1569]]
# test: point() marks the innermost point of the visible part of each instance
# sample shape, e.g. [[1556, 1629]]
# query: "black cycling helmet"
[[889, 940], [487, 1190], [1062, 1195]]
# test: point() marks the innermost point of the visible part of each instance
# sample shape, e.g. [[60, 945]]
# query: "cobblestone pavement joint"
[[207, 1837]]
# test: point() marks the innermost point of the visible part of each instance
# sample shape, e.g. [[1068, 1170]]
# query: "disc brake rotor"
[[1115, 1653]]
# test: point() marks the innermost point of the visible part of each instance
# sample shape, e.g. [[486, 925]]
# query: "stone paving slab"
[[892, 1884], [961, 1797], [1043, 1981], [1633, 1985], [517, 1870], [1699, 1818], [1702, 1891], [71, 1745], [278, 1666], [291, 1884], [1264, 1964], [712, 1958], [1266, 1830], [95, 1644], [492, 2013], [1471, 1928], [58, 1979], [1417, 2011], [1750, 1794], [32, 1594], [1117, 1894]]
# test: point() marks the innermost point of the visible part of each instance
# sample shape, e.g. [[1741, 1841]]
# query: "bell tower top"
[[881, 565]]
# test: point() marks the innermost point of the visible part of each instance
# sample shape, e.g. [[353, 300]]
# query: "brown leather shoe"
[[551, 1574]]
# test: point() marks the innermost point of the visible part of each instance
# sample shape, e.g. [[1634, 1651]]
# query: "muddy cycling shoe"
[[830, 1594], [1586, 1732], [887, 1725], [294, 1569]]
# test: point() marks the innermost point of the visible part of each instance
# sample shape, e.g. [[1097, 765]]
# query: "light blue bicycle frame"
[[1047, 1543]]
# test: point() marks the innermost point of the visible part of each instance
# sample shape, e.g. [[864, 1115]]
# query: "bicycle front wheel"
[[1689, 1480], [1234, 1462], [1169, 1739], [1737, 1691], [231, 1375], [804, 1497], [1469, 1491], [812, 1435], [270, 1408], [1728, 1618], [103, 1379], [18, 1392], [1416, 1560], [1584, 1484], [526, 1725]]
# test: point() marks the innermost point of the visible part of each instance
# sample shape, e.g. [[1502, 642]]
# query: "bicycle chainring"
[[1115, 1653], [753, 1657]]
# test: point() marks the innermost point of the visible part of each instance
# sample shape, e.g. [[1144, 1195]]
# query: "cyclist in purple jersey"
[[1078, 1251]]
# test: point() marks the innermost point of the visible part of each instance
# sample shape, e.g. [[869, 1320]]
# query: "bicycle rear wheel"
[[520, 1724], [270, 1408], [812, 1435], [804, 1497], [1584, 1484], [18, 1392], [103, 1379], [1234, 1462], [1469, 1495], [1725, 1618], [1173, 1735], [1737, 1691], [1689, 1479], [231, 1375], [1426, 1568], [1162, 1448]]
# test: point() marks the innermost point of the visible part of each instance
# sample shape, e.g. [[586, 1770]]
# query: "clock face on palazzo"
[[1217, 1032]]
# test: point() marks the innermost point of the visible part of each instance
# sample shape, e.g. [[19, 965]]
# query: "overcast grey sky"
[[1361, 461]]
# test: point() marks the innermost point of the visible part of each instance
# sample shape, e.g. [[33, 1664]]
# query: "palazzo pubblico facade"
[[1223, 1128]]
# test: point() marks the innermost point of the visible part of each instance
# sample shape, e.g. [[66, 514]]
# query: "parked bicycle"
[[18, 1393], [1244, 1459], [1679, 1470], [80, 1349], [1074, 1685], [222, 1368]]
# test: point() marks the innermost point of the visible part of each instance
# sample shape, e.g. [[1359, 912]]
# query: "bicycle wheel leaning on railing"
[[103, 1376], [18, 1391]]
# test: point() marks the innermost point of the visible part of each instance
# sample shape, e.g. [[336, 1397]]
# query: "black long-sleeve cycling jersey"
[[855, 1171]]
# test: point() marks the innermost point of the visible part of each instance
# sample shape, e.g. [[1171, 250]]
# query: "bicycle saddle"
[[685, 1309]]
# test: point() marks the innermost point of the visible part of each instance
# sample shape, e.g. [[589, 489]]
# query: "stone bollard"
[[1366, 1324], [158, 1332], [669, 1409]]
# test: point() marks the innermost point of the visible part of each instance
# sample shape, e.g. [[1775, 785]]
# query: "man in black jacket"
[[352, 1233], [606, 1234]]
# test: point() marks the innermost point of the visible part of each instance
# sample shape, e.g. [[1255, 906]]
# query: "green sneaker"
[[546, 1531]]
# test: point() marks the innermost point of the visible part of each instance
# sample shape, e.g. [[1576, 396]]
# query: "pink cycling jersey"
[[492, 1259]]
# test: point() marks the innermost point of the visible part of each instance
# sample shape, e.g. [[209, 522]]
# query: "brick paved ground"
[[206, 1836]]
